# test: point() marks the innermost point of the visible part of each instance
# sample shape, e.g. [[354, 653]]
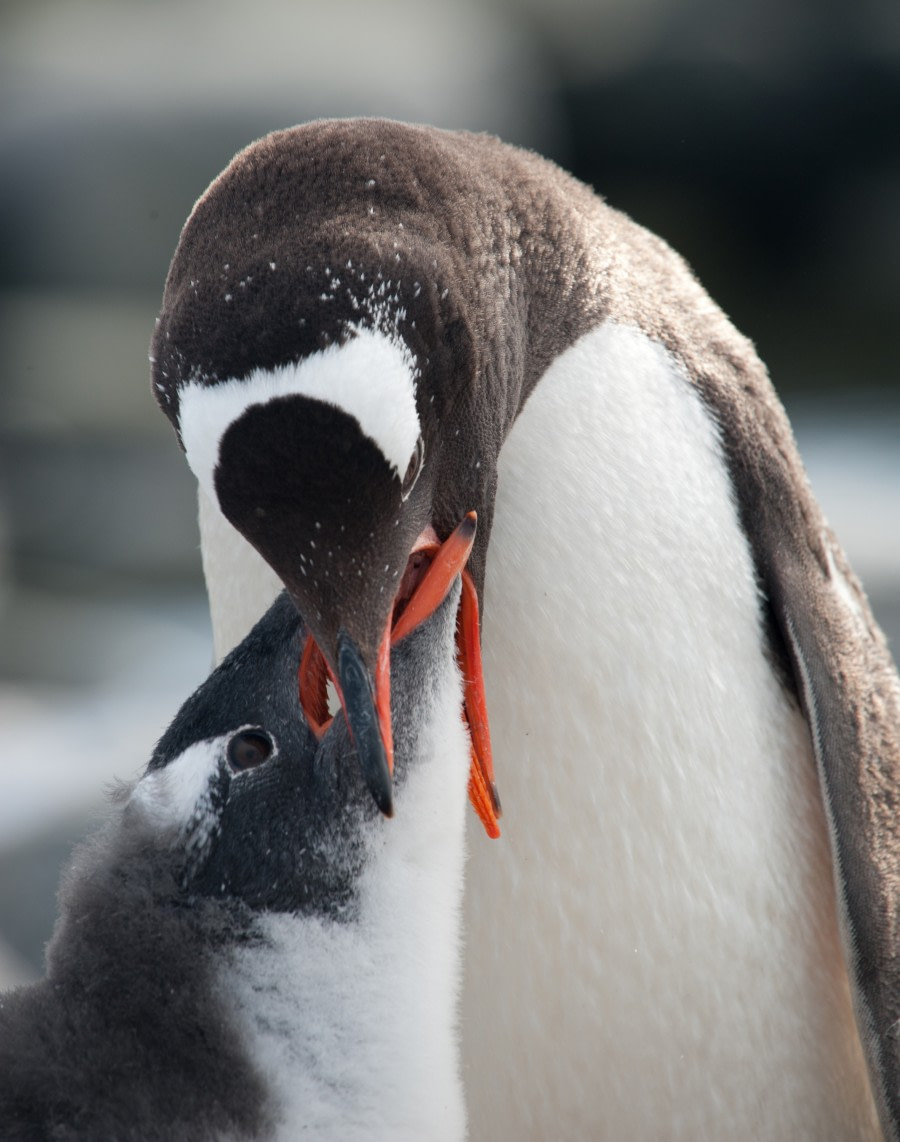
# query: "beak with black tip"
[[371, 733], [365, 698]]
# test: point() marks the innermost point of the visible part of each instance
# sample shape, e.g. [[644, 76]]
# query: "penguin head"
[[319, 366], [248, 803]]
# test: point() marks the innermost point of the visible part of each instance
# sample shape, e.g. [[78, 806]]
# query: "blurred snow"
[[74, 739], [78, 739]]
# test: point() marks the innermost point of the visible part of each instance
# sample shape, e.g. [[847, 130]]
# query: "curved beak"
[[365, 694], [367, 708], [365, 697]]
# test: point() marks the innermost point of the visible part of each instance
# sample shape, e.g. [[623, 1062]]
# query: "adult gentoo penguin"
[[370, 330], [249, 950]]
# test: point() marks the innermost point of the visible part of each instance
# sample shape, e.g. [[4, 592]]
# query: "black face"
[[300, 480], [285, 820]]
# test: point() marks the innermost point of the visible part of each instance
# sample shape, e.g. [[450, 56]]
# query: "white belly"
[[652, 949]]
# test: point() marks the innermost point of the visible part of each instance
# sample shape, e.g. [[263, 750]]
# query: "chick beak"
[[367, 708]]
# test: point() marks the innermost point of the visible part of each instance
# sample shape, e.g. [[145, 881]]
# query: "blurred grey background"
[[760, 137]]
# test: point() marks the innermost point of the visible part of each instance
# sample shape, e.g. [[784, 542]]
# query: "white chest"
[[651, 949], [354, 1025]]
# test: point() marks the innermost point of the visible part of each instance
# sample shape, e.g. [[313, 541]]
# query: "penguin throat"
[[420, 559]]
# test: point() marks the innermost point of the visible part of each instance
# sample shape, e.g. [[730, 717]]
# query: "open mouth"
[[430, 571]]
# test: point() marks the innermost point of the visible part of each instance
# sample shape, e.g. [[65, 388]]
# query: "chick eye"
[[413, 470], [248, 749]]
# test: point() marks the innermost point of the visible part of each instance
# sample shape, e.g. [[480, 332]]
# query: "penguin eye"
[[415, 467], [248, 749]]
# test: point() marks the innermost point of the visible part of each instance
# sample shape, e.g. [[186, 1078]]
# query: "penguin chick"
[[248, 949]]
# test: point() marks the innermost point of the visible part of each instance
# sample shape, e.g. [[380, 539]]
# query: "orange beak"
[[438, 564]]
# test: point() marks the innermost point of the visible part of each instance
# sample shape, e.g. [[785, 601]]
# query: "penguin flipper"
[[850, 693]]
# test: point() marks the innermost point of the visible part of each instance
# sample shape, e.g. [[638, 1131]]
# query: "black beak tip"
[[384, 797], [375, 772], [362, 721], [468, 525]]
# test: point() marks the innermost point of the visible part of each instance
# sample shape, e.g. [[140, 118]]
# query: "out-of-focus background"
[[760, 137]]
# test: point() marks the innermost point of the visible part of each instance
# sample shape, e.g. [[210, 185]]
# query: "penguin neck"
[[240, 584], [353, 1023]]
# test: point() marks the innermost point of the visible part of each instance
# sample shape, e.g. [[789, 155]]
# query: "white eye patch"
[[371, 378], [170, 796]]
